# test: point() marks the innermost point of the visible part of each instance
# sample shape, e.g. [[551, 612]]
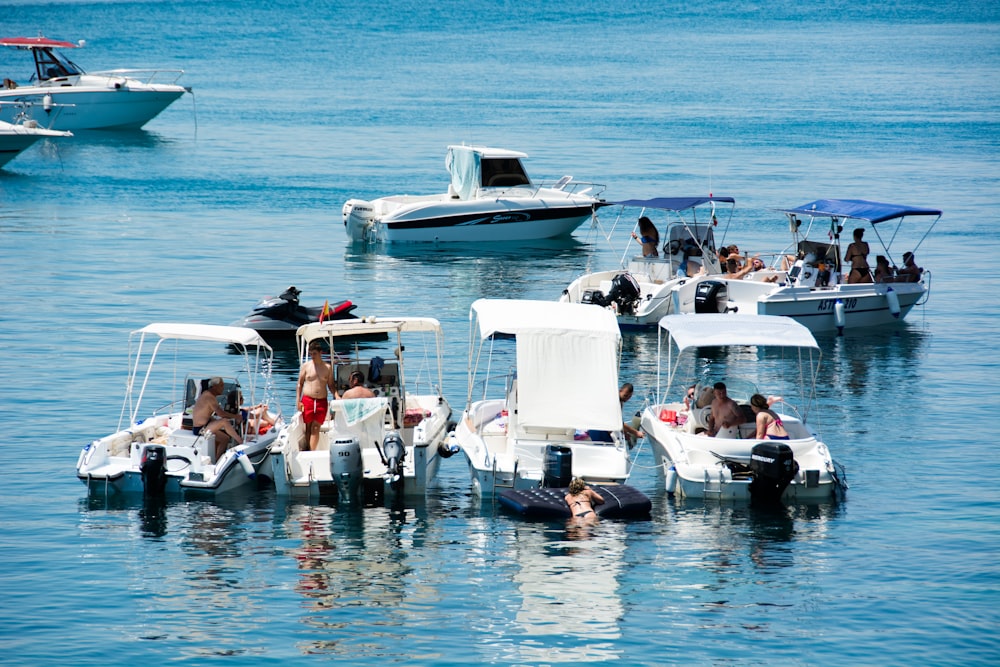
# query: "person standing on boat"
[[857, 257], [650, 237], [582, 500], [769, 424], [315, 377], [726, 417], [208, 415], [632, 434]]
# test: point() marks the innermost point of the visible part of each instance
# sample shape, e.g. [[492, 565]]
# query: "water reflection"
[[864, 362]]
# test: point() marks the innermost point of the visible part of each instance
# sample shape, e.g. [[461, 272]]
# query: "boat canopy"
[[209, 332], [859, 209], [673, 203], [365, 326], [721, 330], [36, 43], [567, 360]]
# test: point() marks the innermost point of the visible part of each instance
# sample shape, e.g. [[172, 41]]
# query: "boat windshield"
[[503, 172], [49, 65]]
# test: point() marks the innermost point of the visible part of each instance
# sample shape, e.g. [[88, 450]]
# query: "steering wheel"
[[675, 246]]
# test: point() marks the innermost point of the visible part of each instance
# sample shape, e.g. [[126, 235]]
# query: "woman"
[[883, 272], [650, 238], [857, 257], [769, 424], [582, 499]]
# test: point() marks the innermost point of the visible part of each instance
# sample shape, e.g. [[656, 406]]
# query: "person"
[[883, 272], [315, 377], [726, 416], [255, 418], [857, 257], [632, 434], [649, 237], [734, 272], [582, 500], [909, 272], [769, 424], [689, 399], [208, 415], [757, 264], [355, 387]]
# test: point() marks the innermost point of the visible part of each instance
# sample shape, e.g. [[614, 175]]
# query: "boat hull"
[[90, 108], [512, 221]]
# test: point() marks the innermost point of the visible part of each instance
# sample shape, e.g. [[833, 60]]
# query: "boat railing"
[[568, 188], [147, 76]]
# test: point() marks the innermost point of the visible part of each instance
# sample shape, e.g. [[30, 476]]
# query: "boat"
[[639, 291], [17, 137], [556, 414], [279, 317], [490, 198], [60, 95], [159, 454], [734, 464], [381, 449], [806, 282]]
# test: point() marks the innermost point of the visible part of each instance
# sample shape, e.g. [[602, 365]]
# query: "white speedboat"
[[60, 95], [734, 464], [160, 454], [379, 449], [16, 137], [490, 198], [556, 414], [806, 281], [639, 291]]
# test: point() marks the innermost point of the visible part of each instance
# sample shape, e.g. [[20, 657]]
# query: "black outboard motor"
[[153, 467], [393, 453], [558, 467], [773, 467], [707, 295], [624, 292]]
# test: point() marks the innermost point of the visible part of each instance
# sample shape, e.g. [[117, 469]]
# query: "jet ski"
[[281, 316]]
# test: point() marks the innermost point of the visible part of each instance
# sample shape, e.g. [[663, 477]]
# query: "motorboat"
[[15, 138], [490, 198], [805, 281], [278, 317], [555, 414], [60, 95], [384, 448], [734, 464], [159, 454], [639, 290]]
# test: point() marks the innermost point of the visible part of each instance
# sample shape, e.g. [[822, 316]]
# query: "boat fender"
[[893, 299], [671, 480], [244, 460], [47, 103], [839, 315]]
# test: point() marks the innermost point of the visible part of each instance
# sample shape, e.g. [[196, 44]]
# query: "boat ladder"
[[712, 487], [504, 482]]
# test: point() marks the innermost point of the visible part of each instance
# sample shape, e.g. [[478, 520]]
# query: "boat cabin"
[[48, 64], [475, 167]]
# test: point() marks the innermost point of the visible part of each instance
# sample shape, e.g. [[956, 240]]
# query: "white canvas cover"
[[465, 166], [720, 330], [567, 361]]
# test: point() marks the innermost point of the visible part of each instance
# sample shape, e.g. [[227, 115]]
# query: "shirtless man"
[[581, 500], [726, 415], [315, 377], [356, 387], [205, 408]]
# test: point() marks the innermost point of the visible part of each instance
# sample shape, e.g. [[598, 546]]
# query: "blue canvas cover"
[[859, 209], [673, 203]]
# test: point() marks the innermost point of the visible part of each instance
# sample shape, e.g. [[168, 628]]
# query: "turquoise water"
[[235, 193]]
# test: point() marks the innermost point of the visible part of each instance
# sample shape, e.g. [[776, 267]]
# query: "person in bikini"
[[649, 237], [857, 255], [315, 377], [582, 499], [208, 416], [769, 424]]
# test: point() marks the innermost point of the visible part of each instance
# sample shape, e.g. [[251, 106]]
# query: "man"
[[356, 387], [315, 377], [632, 434], [206, 408], [726, 415]]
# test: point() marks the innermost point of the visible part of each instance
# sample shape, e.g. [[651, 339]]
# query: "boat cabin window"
[[503, 172], [50, 66]]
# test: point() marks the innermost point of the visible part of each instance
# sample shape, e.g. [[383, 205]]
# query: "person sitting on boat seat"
[[733, 270], [356, 387], [255, 418], [9, 84], [209, 416], [726, 416], [650, 237], [910, 272], [883, 272], [582, 500], [768, 422]]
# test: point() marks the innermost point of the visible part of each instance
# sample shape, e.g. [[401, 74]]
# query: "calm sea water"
[[235, 193]]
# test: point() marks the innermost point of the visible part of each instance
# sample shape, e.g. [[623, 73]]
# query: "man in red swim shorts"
[[315, 378]]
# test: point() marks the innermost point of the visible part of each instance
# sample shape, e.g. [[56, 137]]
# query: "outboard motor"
[[346, 468], [393, 453], [153, 467], [707, 295], [558, 467], [772, 466], [624, 292]]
